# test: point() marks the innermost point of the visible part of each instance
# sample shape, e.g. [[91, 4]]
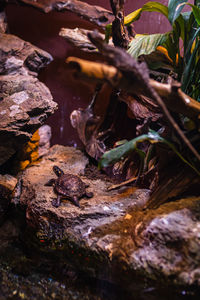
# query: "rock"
[[25, 102], [20, 57], [69, 225], [7, 185], [110, 237], [8, 182], [168, 242], [9, 231]]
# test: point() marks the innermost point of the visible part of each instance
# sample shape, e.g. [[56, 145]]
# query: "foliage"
[[182, 42], [145, 44], [181, 46], [120, 152]]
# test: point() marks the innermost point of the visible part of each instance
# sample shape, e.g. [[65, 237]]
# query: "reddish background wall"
[[42, 30]]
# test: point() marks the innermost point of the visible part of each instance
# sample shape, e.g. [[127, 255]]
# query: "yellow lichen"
[[30, 153]]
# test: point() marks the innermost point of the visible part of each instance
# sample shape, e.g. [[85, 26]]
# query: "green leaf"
[[171, 47], [189, 70], [119, 153], [190, 43], [196, 12], [186, 21], [132, 17], [174, 9], [151, 6], [146, 44]]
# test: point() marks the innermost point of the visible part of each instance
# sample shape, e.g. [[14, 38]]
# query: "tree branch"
[[172, 95], [119, 33], [94, 14]]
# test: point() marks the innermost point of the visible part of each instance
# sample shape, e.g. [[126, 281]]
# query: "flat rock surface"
[[103, 208], [110, 236], [25, 102]]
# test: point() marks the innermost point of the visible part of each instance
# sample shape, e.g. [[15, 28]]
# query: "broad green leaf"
[[188, 50], [119, 153], [186, 22], [195, 9], [151, 6], [174, 9], [146, 44], [196, 12], [171, 47], [189, 70]]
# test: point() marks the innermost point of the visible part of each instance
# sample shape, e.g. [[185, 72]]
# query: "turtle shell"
[[70, 185]]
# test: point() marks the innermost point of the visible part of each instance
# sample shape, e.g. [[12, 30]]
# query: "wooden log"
[[171, 94], [92, 13]]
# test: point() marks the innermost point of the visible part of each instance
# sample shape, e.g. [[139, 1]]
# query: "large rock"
[[110, 236], [7, 185], [84, 230], [25, 102], [168, 242]]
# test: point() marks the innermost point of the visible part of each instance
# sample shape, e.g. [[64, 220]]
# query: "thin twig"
[[116, 186]]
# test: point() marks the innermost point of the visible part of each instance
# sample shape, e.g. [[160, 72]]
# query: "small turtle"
[[68, 186]]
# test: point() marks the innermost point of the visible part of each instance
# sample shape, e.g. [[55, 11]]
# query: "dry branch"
[[172, 95], [174, 182], [94, 71], [119, 33], [176, 99], [94, 14], [78, 38]]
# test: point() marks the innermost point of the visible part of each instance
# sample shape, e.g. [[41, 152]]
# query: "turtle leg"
[[56, 202], [75, 201], [50, 182], [89, 194]]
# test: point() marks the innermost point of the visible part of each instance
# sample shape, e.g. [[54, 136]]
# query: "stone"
[[25, 102], [110, 236], [168, 242], [20, 57], [7, 185]]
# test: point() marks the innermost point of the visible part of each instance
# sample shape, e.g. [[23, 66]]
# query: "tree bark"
[[119, 33], [174, 98]]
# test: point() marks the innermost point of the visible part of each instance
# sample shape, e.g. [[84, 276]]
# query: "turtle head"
[[58, 171]]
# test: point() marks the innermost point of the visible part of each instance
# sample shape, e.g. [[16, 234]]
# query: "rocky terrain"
[[25, 102]]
